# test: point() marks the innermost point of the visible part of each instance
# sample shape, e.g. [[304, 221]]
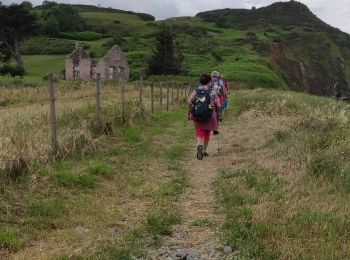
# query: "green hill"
[[306, 53], [283, 45]]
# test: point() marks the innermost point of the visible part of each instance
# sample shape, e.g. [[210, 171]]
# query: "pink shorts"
[[202, 134]]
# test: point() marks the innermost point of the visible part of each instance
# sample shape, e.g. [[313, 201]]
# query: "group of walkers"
[[206, 108]]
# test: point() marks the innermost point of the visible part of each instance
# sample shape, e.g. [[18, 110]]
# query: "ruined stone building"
[[114, 65], [78, 64]]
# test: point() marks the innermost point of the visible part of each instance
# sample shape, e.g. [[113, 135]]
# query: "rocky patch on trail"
[[183, 249]]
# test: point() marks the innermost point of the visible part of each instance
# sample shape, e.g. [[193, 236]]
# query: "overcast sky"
[[334, 12]]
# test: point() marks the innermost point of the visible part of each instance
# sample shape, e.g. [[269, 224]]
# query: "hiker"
[[219, 87], [204, 105], [226, 91]]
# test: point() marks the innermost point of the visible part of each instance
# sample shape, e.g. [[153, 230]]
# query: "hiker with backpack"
[[219, 87], [204, 105], [226, 92]]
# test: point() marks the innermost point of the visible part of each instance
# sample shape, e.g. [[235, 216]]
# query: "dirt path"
[[197, 237]]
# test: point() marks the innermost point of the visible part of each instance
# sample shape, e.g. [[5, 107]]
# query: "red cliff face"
[[299, 76]]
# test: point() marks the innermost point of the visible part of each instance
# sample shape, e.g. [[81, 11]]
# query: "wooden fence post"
[[167, 96], [172, 94], [182, 93], [152, 97], [141, 89], [122, 98], [177, 93], [98, 102], [161, 95], [189, 91], [53, 119]]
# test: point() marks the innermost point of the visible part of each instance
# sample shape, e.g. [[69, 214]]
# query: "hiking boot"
[[200, 152], [205, 154]]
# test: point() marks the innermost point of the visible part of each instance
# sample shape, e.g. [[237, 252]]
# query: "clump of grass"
[[236, 201], [203, 223], [10, 240], [100, 169], [160, 224], [68, 178], [175, 152], [281, 135], [263, 181], [46, 208], [331, 165], [243, 233], [132, 135]]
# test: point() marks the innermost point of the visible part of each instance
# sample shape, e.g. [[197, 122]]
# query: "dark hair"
[[204, 79]]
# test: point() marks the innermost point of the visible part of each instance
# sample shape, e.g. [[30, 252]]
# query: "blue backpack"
[[201, 106]]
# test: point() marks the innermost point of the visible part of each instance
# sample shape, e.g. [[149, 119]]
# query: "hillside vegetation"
[[279, 46]]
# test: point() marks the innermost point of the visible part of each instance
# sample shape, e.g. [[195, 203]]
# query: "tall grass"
[[289, 197], [25, 131]]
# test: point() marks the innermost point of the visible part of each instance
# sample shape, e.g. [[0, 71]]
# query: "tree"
[[167, 58], [68, 17], [27, 5], [16, 23], [50, 26]]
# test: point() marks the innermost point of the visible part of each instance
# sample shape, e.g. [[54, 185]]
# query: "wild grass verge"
[[81, 192], [290, 199]]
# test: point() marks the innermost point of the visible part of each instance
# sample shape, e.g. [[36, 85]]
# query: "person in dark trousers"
[[204, 100]]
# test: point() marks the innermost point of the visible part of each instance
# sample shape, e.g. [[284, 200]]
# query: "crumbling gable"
[[78, 64], [114, 65]]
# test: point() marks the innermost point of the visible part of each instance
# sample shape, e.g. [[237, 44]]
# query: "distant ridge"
[[291, 13], [92, 8]]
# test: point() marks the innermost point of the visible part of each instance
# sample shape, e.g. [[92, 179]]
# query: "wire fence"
[[152, 96]]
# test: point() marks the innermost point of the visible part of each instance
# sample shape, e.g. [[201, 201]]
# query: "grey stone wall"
[[114, 65]]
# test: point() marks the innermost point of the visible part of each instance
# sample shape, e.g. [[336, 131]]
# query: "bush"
[[47, 46], [83, 36], [12, 70]]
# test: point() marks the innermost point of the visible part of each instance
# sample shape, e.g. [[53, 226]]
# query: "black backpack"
[[201, 106]]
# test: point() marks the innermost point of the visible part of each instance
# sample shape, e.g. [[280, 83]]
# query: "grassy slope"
[[286, 194], [216, 51], [241, 52]]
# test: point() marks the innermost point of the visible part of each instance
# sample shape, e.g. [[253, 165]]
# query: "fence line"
[[150, 95]]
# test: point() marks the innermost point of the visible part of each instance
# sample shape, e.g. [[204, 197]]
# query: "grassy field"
[[37, 67]]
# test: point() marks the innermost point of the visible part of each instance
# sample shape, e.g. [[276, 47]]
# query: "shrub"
[[82, 36], [47, 46], [12, 70]]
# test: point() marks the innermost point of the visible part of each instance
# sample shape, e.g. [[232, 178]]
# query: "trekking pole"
[[219, 144]]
